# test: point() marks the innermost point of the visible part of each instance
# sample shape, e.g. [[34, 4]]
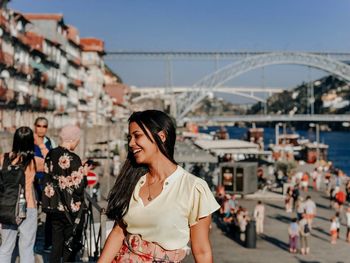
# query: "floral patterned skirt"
[[137, 250]]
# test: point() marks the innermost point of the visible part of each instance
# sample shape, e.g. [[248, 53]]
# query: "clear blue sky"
[[204, 25]]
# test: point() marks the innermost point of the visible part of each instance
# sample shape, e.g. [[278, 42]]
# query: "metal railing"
[[94, 235]]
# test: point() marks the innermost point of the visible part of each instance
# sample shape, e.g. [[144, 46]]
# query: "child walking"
[[293, 231], [348, 224], [333, 230]]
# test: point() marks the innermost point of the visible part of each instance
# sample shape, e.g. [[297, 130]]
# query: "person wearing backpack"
[[304, 233], [19, 163]]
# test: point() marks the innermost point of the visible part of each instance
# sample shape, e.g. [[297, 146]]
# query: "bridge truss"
[[186, 102]]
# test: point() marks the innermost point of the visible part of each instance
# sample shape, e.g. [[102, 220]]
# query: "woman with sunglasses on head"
[[157, 205]]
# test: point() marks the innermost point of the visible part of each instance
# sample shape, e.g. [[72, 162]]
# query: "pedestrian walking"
[[304, 233], [293, 232], [305, 181], [327, 182], [348, 224], [299, 208], [314, 175], [319, 178], [295, 194], [42, 145], [21, 157], [63, 195], [333, 230], [340, 198], [337, 221], [310, 210], [288, 201], [155, 203], [259, 215]]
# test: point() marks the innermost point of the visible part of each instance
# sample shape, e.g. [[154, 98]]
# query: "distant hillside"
[[331, 96], [217, 107]]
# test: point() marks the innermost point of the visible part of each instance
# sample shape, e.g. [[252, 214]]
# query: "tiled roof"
[[92, 44], [34, 40], [57, 17]]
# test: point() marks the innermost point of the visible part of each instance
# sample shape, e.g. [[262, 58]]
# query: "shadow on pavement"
[[307, 261], [321, 230], [320, 238], [276, 206], [323, 206], [230, 231], [282, 218], [322, 218], [275, 241]]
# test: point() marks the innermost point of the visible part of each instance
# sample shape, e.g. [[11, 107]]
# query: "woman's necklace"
[[150, 198]]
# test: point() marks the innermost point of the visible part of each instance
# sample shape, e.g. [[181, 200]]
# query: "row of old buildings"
[[47, 69]]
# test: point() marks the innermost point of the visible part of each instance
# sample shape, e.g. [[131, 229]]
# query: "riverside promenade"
[[273, 245]]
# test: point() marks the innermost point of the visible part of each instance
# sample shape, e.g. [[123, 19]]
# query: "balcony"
[[25, 69], [3, 22], [76, 82], [6, 59]]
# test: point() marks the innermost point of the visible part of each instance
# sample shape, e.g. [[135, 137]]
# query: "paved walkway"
[[273, 245]]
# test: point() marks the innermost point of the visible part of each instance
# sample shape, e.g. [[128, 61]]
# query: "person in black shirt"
[[63, 195]]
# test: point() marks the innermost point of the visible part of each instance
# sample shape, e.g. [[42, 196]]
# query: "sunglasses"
[[41, 126]]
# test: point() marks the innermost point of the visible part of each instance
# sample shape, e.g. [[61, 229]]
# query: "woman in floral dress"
[[63, 195]]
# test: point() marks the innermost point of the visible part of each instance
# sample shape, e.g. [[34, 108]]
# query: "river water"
[[338, 142]]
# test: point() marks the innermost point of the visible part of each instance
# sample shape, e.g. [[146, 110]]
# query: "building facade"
[[46, 69]]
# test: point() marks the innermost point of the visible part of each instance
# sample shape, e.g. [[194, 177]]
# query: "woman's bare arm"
[[113, 244], [200, 243]]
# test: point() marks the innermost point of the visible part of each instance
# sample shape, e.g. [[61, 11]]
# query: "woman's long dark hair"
[[154, 121], [23, 146]]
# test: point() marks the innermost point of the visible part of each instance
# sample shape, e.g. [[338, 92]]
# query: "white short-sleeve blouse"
[[166, 220]]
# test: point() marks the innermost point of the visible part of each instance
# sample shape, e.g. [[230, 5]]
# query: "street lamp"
[[277, 129]]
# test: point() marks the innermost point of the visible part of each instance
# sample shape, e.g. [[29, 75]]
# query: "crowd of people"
[[54, 180], [298, 204], [157, 206], [235, 218], [336, 186]]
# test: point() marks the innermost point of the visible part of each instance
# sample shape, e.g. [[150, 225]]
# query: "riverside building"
[[46, 69]]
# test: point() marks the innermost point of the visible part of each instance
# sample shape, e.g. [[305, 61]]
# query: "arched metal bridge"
[[186, 102], [247, 92]]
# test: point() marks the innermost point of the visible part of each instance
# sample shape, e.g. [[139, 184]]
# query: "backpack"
[[306, 228], [12, 181]]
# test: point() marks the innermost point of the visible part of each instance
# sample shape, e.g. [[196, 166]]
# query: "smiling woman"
[[157, 205]]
